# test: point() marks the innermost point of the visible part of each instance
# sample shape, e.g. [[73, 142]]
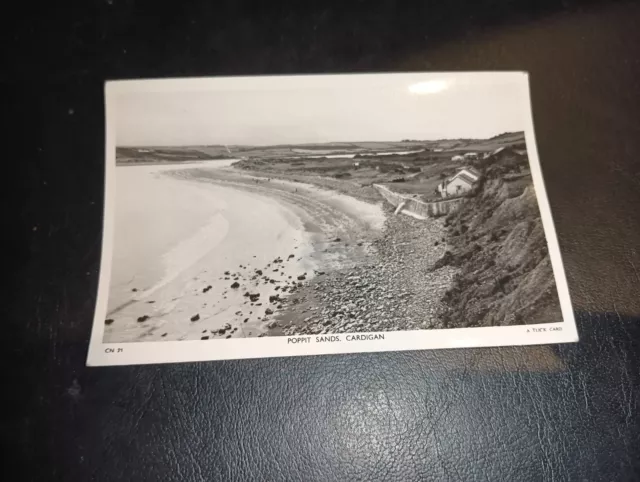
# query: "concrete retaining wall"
[[418, 208]]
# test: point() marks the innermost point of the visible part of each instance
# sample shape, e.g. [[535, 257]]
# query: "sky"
[[314, 109]]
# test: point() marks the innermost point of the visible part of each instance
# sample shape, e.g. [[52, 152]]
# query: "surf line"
[[184, 255]]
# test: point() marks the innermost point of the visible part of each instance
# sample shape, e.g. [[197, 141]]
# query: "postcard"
[[250, 217]]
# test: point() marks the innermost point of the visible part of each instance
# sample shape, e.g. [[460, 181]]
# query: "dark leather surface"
[[566, 412]]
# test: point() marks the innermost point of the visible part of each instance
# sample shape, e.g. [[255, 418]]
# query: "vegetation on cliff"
[[497, 241]]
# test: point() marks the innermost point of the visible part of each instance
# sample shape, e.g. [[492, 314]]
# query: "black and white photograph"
[[276, 216]]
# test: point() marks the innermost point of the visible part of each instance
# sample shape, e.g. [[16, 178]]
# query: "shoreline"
[[394, 266], [196, 300]]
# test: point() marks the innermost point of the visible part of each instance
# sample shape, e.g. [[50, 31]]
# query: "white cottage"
[[460, 183]]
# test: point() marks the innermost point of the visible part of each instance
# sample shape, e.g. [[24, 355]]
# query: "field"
[[414, 173]]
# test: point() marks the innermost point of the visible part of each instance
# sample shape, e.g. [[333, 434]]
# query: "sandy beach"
[[203, 237]]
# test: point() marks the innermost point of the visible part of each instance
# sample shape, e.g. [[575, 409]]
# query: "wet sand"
[[186, 234]]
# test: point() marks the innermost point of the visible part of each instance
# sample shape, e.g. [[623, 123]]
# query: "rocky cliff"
[[497, 242]]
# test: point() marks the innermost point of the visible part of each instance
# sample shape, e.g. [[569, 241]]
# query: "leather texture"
[[562, 412]]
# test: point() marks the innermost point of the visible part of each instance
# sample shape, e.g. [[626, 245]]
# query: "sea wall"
[[419, 208]]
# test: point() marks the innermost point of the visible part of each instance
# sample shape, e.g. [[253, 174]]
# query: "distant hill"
[[508, 136], [512, 139], [148, 155]]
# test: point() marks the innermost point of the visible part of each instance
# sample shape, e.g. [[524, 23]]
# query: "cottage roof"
[[466, 178], [472, 170]]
